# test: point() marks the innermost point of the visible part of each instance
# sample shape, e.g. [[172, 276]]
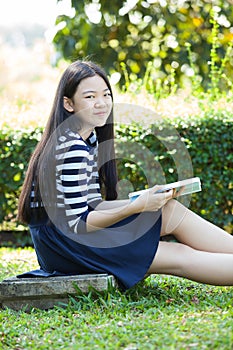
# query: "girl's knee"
[[173, 214], [172, 258]]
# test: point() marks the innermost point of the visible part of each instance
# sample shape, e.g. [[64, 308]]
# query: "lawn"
[[162, 312]]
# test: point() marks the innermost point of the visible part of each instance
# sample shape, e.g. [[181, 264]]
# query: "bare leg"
[[194, 231], [205, 253], [180, 260]]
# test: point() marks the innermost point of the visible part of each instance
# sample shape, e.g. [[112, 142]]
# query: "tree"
[[138, 32]]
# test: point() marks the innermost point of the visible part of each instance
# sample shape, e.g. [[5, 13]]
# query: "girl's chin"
[[100, 124]]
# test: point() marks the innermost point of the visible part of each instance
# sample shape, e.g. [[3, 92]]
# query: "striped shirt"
[[77, 178]]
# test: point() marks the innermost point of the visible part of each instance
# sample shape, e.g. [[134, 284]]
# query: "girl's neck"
[[85, 133]]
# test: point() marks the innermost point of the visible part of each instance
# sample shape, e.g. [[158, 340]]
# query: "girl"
[[75, 231]]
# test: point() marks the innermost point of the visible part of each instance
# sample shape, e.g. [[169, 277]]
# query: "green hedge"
[[16, 147], [163, 152]]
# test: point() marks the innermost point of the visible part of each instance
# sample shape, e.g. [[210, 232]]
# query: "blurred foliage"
[[160, 157], [16, 148], [146, 156], [134, 33]]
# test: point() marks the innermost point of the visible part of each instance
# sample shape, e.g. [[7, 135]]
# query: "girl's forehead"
[[95, 82]]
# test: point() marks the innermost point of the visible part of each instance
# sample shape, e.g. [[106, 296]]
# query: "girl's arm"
[[108, 213], [77, 193]]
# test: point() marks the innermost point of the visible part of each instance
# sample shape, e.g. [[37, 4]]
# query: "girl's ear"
[[68, 104]]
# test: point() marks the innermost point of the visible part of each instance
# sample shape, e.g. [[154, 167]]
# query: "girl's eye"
[[90, 96], [108, 94]]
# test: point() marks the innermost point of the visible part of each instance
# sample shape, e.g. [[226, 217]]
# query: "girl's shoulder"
[[69, 135], [71, 141]]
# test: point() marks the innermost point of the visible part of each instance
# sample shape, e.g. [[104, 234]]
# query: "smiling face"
[[92, 102]]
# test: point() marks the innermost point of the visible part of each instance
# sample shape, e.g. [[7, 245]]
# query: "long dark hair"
[[40, 159]]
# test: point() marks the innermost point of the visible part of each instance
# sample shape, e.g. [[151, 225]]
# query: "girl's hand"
[[151, 201]]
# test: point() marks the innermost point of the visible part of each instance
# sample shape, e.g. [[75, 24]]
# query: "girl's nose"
[[99, 103]]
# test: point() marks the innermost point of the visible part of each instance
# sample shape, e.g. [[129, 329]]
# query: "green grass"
[[160, 313]]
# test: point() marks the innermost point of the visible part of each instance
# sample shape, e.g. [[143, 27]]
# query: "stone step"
[[45, 293]]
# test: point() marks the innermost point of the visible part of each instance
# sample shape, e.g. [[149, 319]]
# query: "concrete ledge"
[[45, 293]]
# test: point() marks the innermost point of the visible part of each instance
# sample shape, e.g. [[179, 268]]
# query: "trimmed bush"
[[163, 152], [208, 141], [16, 147]]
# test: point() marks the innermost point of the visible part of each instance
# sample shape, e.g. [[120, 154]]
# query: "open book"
[[180, 187]]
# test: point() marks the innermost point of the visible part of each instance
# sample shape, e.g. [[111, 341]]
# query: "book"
[[180, 188]]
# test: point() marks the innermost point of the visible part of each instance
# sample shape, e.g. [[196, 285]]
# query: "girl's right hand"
[[150, 200]]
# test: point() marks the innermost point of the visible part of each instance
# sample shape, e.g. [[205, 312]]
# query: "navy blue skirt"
[[59, 254]]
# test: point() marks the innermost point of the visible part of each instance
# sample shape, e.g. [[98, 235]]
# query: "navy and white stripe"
[[77, 178]]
